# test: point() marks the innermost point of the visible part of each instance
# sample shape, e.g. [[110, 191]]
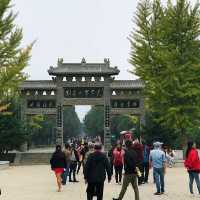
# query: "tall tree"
[[13, 58], [94, 121], [166, 56], [123, 123], [44, 133], [72, 124]]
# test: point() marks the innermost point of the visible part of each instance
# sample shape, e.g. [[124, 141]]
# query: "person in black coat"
[[95, 170], [58, 164], [73, 165], [131, 161]]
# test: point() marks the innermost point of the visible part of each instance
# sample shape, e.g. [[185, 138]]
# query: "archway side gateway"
[[83, 84]]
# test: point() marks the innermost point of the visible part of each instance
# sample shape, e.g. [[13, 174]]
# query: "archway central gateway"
[[83, 84]]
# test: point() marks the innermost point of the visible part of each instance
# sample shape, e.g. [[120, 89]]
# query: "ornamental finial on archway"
[[83, 60], [107, 61], [60, 61]]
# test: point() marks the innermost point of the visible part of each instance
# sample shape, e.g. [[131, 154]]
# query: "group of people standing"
[[135, 159], [116, 156], [67, 163]]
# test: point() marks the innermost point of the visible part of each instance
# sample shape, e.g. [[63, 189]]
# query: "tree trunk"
[[184, 138]]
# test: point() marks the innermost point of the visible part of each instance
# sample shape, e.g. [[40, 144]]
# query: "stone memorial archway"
[[83, 84]]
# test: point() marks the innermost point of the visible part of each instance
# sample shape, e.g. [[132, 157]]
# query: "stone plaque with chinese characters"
[[83, 92]]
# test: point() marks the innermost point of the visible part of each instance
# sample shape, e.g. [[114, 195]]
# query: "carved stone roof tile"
[[43, 84], [83, 69], [126, 84]]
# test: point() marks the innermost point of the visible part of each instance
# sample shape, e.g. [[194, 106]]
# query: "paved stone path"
[[38, 183]]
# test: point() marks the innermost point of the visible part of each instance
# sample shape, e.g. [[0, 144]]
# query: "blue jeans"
[[158, 174], [194, 176], [64, 175]]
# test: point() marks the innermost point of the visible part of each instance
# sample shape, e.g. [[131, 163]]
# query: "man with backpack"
[[118, 160], [130, 176]]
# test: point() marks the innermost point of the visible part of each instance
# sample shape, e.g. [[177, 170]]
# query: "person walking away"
[[110, 156], [58, 164], [78, 149], [73, 164], [118, 160], [158, 162], [67, 153], [90, 150], [95, 170], [83, 151], [145, 163], [192, 164], [130, 175], [138, 147], [170, 155]]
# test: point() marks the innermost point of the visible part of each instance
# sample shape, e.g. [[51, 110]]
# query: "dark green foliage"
[[155, 131], [193, 134], [71, 122], [122, 123], [94, 121], [166, 56], [45, 135], [12, 129], [12, 133]]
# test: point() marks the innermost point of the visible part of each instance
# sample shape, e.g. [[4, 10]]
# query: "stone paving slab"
[[38, 183]]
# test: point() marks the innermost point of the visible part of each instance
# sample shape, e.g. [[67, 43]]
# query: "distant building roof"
[[83, 68]]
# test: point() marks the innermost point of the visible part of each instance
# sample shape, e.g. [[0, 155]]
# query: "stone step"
[[33, 158], [4, 165]]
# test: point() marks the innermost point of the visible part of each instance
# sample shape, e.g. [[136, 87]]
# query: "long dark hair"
[[189, 147], [58, 149]]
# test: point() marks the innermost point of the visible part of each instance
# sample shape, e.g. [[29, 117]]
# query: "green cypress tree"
[[13, 58], [166, 56]]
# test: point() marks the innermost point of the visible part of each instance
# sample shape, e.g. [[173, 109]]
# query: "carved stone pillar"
[[107, 108], [59, 124], [59, 113]]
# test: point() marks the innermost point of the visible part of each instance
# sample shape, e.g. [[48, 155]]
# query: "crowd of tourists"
[[133, 159]]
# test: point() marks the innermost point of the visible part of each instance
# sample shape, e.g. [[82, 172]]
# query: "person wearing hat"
[[95, 169], [157, 160]]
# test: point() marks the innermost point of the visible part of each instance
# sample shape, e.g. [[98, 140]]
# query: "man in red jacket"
[[192, 163]]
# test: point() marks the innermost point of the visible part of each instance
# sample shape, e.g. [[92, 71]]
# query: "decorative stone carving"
[[41, 104], [125, 103], [83, 92], [83, 61], [60, 62]]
